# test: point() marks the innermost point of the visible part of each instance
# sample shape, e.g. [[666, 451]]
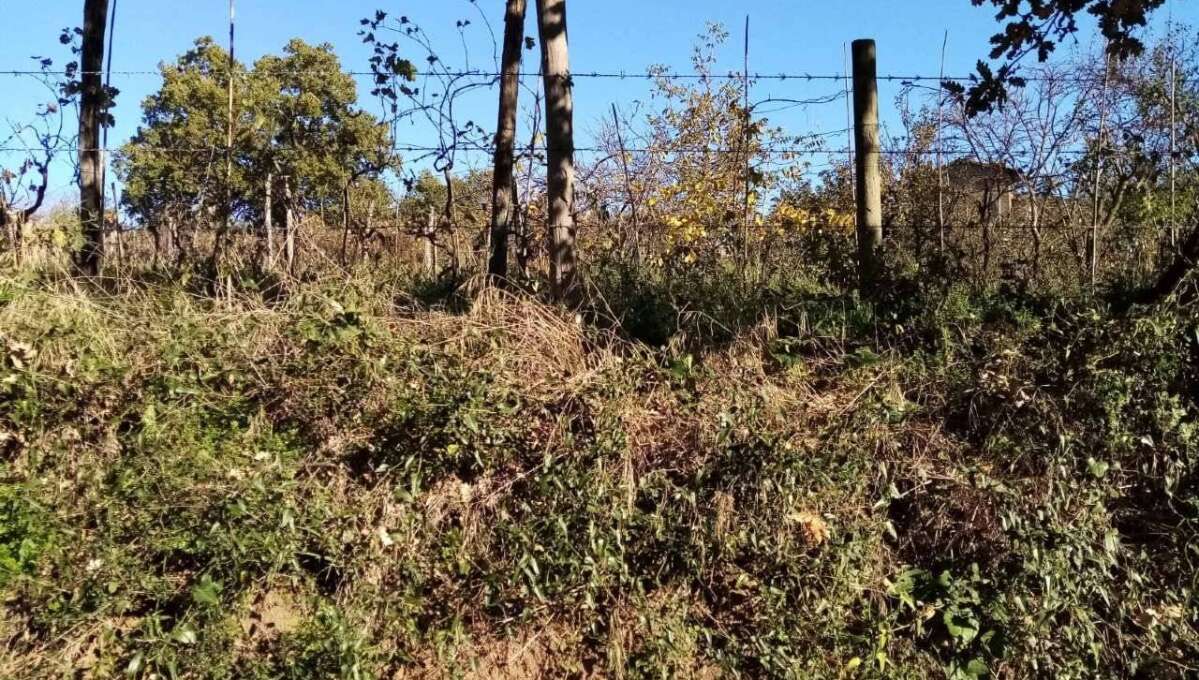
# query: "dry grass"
[[500, 490]]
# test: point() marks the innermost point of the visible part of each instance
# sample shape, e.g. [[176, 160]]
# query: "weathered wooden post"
[[91, 110], [503, 209], [869, 181], [560, 154]]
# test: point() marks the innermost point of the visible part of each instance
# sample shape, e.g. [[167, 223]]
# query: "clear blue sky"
[[606, 35]]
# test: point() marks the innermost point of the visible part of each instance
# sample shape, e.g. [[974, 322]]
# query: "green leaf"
[[207, 592], [962, 625], [682, 367], [864, 356], [1111, 542], [135, 664], [977, 669], [184, 634]]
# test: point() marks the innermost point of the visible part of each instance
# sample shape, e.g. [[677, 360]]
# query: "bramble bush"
[[694, 479]]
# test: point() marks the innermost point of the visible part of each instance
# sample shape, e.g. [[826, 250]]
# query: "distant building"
[[983, 191]]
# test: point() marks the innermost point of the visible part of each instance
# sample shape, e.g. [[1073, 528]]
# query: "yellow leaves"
[[787, 215], [700, 145], [812, 527]]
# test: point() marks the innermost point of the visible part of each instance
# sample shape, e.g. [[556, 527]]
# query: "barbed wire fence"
[[810, 153]]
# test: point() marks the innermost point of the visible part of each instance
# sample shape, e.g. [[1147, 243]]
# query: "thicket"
[[361, 476], [301, 459]]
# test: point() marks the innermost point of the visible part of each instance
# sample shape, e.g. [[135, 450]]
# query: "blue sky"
[[795, 36]]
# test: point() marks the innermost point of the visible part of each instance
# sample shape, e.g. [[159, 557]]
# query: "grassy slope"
[[330, 486]]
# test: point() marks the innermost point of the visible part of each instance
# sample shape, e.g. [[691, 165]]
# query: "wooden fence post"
[[869, 180], [560, 152]]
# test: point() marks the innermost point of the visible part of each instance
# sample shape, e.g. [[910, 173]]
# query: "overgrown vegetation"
[[240, 438], [342, 481]]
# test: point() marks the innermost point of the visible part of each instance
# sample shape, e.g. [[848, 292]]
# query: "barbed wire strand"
[[608, 75], [484, 148], [420, 226]]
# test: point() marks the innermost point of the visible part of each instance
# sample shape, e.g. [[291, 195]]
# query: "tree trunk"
[[559, 123], [156, 238], [289, 226], [10, 223], [175, 243], [368, 231], [170, 241], [447, 215], [430, 243], [13, 219], [268, 220], [345, 221], [520, 229], [91, 111], [502, 208], [7, 222], [117, 229], [395, 235]]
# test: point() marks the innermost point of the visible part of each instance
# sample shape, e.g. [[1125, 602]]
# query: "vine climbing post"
[[559, 123], [503, 178], [92, 106]]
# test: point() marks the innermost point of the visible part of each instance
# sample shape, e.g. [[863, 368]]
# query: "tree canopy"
[[297, 117]]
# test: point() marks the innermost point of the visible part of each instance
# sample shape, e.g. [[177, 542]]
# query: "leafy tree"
[[297, 122], [1038, 26], [170, 165], [310, 128]]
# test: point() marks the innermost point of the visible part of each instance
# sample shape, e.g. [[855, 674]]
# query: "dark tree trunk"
[[430, 242], [13, 219], [448, 219], [503, 182], [91, 112]]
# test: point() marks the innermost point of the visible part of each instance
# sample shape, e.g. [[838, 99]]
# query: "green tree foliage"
[[427, 191], [1147, 107], [296, 118], [168, 167], [310, 127]]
